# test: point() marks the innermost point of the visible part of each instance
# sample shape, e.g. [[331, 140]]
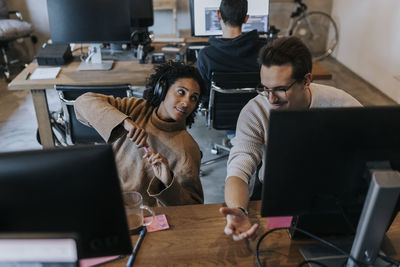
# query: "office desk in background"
[[123, 72], [196, 238]]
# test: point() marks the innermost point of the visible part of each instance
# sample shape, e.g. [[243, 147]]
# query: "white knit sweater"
[[251, 130]]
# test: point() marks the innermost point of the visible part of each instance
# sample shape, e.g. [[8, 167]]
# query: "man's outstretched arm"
[[238, 224]]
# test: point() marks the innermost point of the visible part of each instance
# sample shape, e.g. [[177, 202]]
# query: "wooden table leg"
[[43, 119]]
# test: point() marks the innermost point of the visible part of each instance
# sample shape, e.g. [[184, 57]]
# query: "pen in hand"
[[137, 246]]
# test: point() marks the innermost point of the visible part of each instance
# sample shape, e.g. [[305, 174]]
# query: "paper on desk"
[[45, 73]]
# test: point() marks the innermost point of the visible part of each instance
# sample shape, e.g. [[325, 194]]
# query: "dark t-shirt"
[[230, 55]]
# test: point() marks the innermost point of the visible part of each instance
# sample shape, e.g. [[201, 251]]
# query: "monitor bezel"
[[69, 199], [280, 197], [124, 32], [192, 22]]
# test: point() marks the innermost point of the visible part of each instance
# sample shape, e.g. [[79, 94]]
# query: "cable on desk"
[[389, 260], [329, 244]]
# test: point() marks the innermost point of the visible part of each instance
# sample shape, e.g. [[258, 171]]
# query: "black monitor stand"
[[381, 200]]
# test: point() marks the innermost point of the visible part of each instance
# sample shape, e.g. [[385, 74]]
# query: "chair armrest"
[[232, 91], [16, 13], [66, 101], [136, 91]]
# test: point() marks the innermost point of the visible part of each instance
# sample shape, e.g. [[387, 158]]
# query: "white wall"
[[369, 43]]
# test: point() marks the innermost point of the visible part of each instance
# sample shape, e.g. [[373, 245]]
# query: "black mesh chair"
[[75, 131], [229, 93]]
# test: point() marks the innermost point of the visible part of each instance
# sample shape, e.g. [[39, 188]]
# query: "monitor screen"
[[69, 191], [204, 20], [89, 21], [317, 162], [142, 14]]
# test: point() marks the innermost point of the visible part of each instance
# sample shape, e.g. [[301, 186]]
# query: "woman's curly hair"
[[170, 72]]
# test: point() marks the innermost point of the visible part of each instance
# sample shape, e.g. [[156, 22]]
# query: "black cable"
[[389, 260], [309, 235]]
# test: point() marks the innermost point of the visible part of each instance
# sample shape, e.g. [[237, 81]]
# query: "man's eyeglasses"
[[279, 91]]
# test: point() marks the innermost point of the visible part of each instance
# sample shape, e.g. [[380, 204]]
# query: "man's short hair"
[[286, 50], [233, 12]]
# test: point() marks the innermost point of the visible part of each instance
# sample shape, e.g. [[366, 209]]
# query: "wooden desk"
[[196, 238], [123, 72]]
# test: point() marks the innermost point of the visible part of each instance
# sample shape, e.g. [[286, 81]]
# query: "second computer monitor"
[[72, 191], [204, 20], [317, 163], [89, 21]]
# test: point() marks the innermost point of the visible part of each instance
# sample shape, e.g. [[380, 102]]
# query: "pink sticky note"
[[276, 222], [160, 223], [96, 261]]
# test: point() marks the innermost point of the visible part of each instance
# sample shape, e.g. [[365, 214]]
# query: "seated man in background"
[[285, 84], [235, 51]]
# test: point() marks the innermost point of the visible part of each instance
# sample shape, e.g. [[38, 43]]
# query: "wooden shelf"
[[164, 4]]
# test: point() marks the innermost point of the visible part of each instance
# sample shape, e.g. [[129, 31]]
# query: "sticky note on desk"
[[160, 223], [97, 261], [277, 222]]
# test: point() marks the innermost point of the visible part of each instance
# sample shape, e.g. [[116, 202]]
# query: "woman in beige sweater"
[[154, 153]]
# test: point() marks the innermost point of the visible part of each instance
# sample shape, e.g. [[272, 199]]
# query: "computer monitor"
[[65, 191], [90, 21], [318, 162], [204, 20], [142, 13]]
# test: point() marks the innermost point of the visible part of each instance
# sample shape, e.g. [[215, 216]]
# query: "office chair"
[[74, 131], [229, 93], [11, 30]]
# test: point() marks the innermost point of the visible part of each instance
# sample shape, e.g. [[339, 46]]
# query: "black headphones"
[[161, 87]]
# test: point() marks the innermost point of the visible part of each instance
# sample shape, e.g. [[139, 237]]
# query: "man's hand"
[[160, 167], [238, 224], [135, 133]]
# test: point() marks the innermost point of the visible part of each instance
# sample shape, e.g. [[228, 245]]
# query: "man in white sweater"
[[285, 73]]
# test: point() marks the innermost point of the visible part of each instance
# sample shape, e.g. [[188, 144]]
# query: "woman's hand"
[[160, 167], [135, 133]]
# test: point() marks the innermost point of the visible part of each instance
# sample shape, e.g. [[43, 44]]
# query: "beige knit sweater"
[[170, 139], [252, 128]]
